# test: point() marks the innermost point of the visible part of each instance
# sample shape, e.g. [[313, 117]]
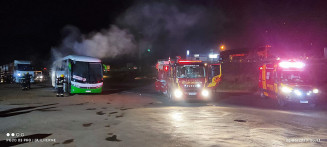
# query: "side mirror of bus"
[[105, 70]]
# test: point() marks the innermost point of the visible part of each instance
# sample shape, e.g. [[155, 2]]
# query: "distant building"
[[247, 54], [212, 57]]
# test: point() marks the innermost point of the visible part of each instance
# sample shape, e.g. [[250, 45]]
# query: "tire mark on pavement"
[[48, 109], [113, 138], [100, 113], [239, 120], [113, 112], [121, 115], [23, 110], [87, 124], [125, 109], [68, 141]]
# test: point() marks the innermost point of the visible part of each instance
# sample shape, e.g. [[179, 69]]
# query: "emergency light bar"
[[286, 64], [189, 61]]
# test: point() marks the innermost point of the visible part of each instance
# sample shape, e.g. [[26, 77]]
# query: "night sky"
[[30, 29]]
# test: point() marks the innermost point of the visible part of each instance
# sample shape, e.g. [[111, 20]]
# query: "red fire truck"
[[287, 81], [184, 79]]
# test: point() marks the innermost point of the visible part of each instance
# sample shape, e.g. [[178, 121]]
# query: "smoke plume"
[[166, 28], [107, 43]]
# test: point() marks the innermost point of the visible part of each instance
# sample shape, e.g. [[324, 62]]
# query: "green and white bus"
[[83, 74]]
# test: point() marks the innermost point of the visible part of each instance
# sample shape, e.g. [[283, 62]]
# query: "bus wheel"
[[69, 90], [281, 101]]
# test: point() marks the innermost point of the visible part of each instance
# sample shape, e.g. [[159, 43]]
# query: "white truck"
[[14, 71]]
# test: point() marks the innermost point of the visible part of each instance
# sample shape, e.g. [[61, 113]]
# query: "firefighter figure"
[[28, 80], [23, 82], [60, 85]]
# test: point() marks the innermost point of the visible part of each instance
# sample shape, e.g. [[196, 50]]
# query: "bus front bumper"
[[85, 88]]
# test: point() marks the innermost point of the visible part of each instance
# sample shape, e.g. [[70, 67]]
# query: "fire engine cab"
[[186, 79], [287, 81]]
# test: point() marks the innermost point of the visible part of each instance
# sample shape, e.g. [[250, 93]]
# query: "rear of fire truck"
[[287, 81], [183, 79], [163, 67]]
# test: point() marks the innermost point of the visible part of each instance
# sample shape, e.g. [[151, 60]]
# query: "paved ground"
[[134, 115]]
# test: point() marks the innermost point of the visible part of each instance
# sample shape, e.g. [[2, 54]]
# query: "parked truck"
[[14, 71]]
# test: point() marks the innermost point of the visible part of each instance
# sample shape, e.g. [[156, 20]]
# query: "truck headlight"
[[18, 74], [178, 93], [286, 89], [198, 85], [205, 93], [315, 90], [298, 92]]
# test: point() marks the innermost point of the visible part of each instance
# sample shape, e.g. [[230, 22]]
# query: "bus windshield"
[[294, 77], [87, 72], [24, 67], [190, 71]]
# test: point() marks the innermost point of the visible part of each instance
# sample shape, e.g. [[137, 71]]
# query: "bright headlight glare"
[[41, 77], [205, 93], [18, 74], [298, 92], [178, 93], [315, 91], [286, 89], [198, 85]]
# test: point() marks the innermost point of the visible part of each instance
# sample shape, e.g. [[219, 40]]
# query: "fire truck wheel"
[[281, 101], [170, 95], [262, 95]]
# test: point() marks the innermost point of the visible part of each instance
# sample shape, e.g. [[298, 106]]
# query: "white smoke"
[[107, 43], [161, 26]]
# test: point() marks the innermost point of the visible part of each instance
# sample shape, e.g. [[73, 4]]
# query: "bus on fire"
[[82, 74]]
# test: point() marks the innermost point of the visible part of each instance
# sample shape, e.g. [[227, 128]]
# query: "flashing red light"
[[189, 61], [286, 64], [44, 68], [165, 68]]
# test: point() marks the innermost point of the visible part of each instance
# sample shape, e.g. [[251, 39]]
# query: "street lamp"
[[222, 48]]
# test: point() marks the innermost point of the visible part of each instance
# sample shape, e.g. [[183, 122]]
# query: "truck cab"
[[21, 68], [184, 79]]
